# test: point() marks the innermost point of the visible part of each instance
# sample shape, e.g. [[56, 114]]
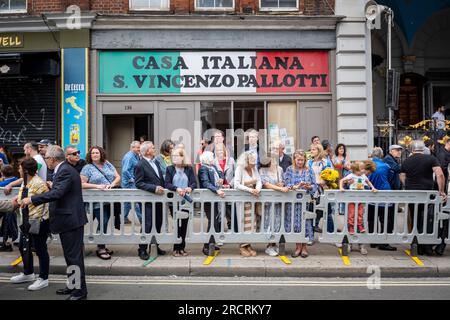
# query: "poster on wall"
[[74, 102], [172, 72]]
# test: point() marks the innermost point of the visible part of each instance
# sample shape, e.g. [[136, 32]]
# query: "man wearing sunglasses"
[[73, 158]]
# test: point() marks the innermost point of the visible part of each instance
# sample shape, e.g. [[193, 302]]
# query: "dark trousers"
[[182, 225], [381, 213], [212, 221], [73, 248], [39, 242], [9, 227], [423, 221], [149, 222]]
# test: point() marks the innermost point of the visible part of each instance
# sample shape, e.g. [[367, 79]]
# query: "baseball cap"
[[44, 142], [395, 146]]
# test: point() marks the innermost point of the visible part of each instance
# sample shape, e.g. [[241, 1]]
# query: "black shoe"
[[440, 249], [428, 250], [420, 250], [317, 230], [127, 221], [65, 291], [386, 247], [161, 252], [373, 246], [143, 255], [205, 251], [83, 297], [6, 248]]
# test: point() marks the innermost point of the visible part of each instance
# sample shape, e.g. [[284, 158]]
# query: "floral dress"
[[292, 178], [269, 177]]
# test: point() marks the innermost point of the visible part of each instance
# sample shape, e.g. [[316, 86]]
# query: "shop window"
[[278, 4], [216, 115], [11, 6], [249, 115], [282, 124], [149, 4], [214, 4]]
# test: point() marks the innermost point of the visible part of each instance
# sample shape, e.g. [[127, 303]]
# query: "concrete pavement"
[[324, 261]]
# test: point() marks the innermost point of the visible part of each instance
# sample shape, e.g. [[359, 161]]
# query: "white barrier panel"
[[240, 217], [388, 217]]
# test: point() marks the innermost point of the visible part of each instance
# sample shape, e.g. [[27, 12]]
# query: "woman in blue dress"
[[299, 177]]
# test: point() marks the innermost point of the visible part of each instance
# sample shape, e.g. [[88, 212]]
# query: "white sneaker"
[[338, 245], [271, 252], [362, 249], [310, 243], [22, 278], [277, 250], [38, 284]]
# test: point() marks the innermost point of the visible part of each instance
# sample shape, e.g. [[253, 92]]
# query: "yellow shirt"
[[35, 187]]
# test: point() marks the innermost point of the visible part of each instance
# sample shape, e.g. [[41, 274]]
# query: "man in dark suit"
[[149, 177], [67, 217], [285, 161]]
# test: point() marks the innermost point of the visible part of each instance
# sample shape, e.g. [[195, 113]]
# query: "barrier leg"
[[282, 250], [212, 253], [414, 247], [345, 245], [153, 252]]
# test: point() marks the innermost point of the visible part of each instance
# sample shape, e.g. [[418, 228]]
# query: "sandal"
[[184, 253], [176, 253], [304, 254], [296, 254], [103, 254], [110, 252]]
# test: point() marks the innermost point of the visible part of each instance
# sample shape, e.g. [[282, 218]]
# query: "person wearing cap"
[[42, 147], [417, 174], [392, 160]]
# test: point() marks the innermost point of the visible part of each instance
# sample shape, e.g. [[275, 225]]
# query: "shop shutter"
[[28, 111]]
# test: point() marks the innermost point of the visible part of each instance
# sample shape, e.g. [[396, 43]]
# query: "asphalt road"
[[182, 288]]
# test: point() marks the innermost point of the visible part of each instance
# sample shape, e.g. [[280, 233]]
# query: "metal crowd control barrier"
[[445, 220], [240, 217], [273, 217], [412, 216]]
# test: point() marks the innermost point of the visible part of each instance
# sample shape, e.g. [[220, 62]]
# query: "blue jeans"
[[137, 208]]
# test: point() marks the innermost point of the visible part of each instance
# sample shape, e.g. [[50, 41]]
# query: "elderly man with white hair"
[[284, 160], [417, 174], [209, 178]]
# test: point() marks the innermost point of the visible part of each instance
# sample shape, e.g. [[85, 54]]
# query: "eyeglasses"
[[75, 153]]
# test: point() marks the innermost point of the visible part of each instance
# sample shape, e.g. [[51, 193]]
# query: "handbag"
[[35, 226], [117, 207]]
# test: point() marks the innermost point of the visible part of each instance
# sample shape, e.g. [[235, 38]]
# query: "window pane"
[[4, 5], [269, 3], [288, 3], [205, 3], [224, 3], [249, 115], [139, 4], [278, 3], [18, 4], [215, 115], [282, 124], [149, 4], [214, 3]]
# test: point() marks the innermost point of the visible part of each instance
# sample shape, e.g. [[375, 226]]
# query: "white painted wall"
[[354, 79]]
